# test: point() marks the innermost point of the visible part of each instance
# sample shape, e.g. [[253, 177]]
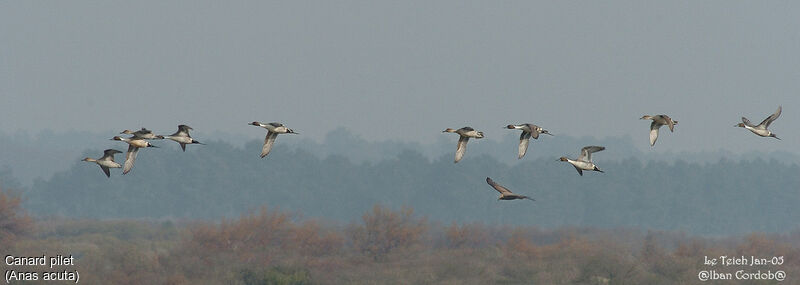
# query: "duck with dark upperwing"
[[182, 137], [761, 129], [143, 134], [134, 144], [273, 129], [464, 134], [106, 162], [528, 131], [505, 194], [584, 161], [658, 121]]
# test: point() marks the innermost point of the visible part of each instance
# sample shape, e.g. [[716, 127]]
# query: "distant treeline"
[[29, 157], [220, 180]]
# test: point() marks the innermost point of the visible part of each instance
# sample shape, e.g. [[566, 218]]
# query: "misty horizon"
[[68, 147], [404, 71]]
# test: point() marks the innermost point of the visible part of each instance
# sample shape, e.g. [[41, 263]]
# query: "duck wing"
[[462, 148], [771, 118], [580, 171], [498, 187], [586, 152], [535, 131], [130, 158], [518, 196], [535, 134], [654, 132], [268, 142], [669, 122], [106, 171], [109, 154], [184, 128], [524, 139]]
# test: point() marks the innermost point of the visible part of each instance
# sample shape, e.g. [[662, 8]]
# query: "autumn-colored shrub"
[[14, 221], [253, 238], [520, 246], [608, 263], [384, 230], [691, 248], [760, 245], [467, 236], [257, 230], [311, 239]]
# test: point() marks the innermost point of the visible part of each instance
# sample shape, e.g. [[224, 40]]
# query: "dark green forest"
[[716, 197]]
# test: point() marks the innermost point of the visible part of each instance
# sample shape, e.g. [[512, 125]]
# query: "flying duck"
[[106, 162], [528, 131], [761, 129], [658, 121], [505, 194], [134, 144], [464, 134], [273, 129], [584, 161], [182, 137]]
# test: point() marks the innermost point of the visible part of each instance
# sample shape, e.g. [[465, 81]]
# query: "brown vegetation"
[[14, 222], [386, 246], [384, 230]]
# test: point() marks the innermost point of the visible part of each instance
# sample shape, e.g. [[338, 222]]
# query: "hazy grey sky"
[[405, 69]]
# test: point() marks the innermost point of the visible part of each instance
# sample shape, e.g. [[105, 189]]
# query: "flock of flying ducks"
[[141, 139]]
